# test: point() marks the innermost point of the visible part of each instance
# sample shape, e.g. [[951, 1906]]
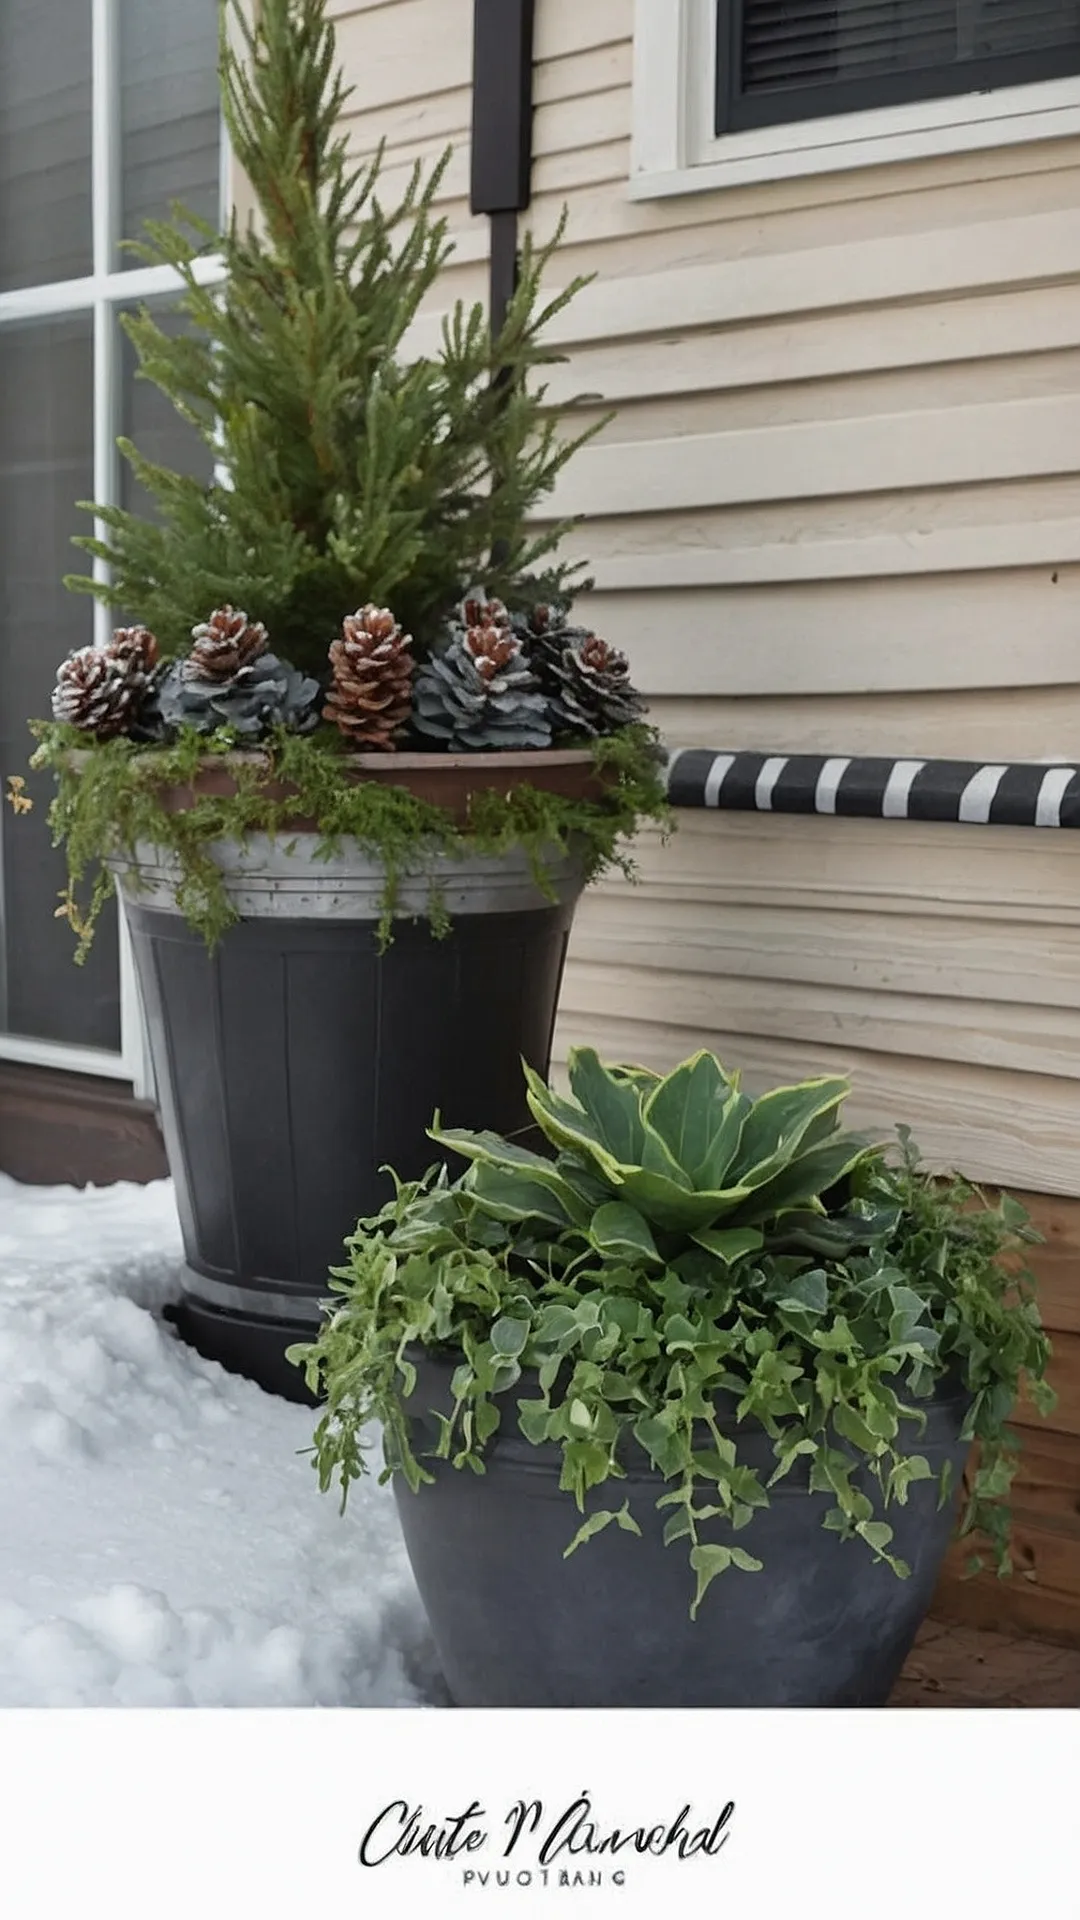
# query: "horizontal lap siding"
[[936, 965], [838, 511], [951, 724], [845, 455], [409, 64]]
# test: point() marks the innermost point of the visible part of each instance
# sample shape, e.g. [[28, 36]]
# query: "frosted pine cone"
[[223, 644], [477, 610], [136, 645], [588, 685], [370, 697], [544, 623], [99, 692]]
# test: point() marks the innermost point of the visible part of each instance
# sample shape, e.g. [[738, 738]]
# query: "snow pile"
[[162, 1542]]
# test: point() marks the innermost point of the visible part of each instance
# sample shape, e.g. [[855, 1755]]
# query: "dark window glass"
[[46, 464], [45, 220], [152, 422], [170, 111], [783, 60]]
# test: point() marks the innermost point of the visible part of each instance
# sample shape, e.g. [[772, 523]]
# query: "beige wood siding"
[[839, 509]]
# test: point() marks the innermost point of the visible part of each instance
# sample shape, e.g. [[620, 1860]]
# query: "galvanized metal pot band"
[[256, 1295], [283, 878]]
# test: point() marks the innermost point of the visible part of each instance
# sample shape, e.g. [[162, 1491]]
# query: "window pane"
[[46, 465], [159, 432], [796, 43], [804, 44], [45, 221], [169, 111], [1014, 26]]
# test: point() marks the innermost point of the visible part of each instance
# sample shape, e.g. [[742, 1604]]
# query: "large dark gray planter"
[[296, 1061], [516, 1625]]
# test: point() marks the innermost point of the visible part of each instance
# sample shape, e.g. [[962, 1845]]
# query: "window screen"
[[58, 377], [45, 223], [46, 464], [784, 60]]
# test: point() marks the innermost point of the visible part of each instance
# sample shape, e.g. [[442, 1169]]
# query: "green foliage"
[[356, 472], [348, 471], [108, 801], [691, 1150], [687, 1261]]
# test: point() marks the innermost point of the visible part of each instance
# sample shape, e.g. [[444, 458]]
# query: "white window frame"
[[101, 294], [675, 150]]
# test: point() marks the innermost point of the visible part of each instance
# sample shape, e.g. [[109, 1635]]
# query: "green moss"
[[108, 801]]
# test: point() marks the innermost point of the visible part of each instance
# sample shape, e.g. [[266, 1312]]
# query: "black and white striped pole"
[[970, 792]]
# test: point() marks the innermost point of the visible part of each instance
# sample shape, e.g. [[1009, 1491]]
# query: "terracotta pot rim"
[[381, 762], [448, 781]]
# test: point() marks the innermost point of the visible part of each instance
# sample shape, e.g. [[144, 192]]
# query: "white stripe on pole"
[[979, 795], [717, 774], [1051, 795], [894, 804], [766, 781], [828, 781]]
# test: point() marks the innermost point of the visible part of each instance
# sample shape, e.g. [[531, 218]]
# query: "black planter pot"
[[516, 1625], [296, 1061]]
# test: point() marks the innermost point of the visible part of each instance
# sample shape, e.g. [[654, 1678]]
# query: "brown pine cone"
[[223, 644], [135, 645], [97, 691], [370, 698]]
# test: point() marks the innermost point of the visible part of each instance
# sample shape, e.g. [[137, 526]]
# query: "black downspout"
[[502, 107]]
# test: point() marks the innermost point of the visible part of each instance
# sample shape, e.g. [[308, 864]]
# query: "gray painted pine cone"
[[479, 693], [266, 693]]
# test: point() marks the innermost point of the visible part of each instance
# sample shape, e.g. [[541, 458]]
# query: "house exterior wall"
[[838, 510]]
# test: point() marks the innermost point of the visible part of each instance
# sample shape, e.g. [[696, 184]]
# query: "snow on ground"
[[162, 1539]]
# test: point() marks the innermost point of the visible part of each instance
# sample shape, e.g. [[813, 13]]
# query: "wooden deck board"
[[958, 1666]]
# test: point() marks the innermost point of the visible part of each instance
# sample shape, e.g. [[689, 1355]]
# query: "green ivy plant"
[[683, 1244], [109, 801]]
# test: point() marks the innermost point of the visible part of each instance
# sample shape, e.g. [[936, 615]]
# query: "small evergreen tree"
[[347, 471]]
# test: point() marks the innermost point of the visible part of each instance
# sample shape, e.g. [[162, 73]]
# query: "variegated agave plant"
[[646, 1164]]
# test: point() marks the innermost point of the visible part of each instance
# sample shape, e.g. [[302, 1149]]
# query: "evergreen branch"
[[355, 470]]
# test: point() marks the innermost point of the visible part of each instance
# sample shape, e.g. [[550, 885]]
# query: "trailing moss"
[[109, 802]]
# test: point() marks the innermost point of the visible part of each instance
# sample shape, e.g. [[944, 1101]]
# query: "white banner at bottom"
[[266, 1815]]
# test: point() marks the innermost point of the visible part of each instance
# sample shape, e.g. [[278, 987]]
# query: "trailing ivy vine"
[[689, 1264]]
